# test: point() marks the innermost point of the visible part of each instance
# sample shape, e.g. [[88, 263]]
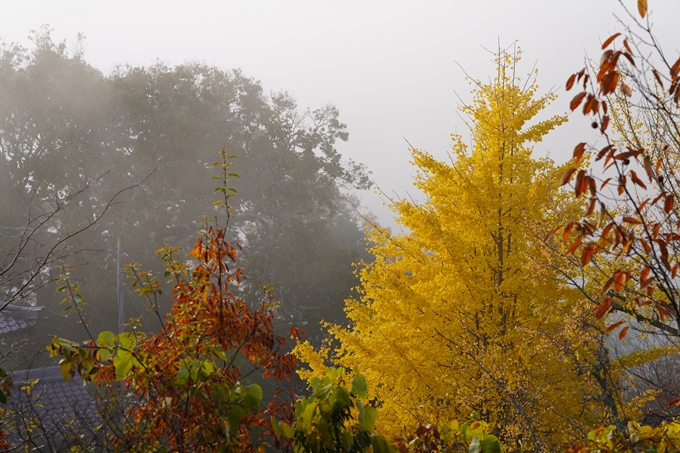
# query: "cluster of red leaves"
[[648, 230], [209, 323]]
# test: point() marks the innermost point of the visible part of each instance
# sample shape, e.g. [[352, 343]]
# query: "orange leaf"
[[645, 272], [552, 233], [645, 245], [581, 184], [625, 44], [604, 307], [567, 175], [607, 229], [570, 82], [604, 151], [644, 283], [609, 83], [673, 402], [578, 151], [574, 245], [567, 230], [587, 254], [610, 39], [605, 123], [642, 7], [632, 220], [614, 326], [592, 186], [623, 332], [674, 272], [609, 283], [657, 77], [591, 206], [647, 162], [573, 105], [668, 203]]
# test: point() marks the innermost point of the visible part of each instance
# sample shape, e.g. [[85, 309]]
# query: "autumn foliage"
[[184, 389], [630, 235], [464, 311]]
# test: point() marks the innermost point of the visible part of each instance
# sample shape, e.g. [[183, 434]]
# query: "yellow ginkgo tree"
[[464, 312]]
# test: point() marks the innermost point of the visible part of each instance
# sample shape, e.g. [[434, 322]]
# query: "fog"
[[393, 69], [393, 73]]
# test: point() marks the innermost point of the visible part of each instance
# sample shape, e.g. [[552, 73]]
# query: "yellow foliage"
[[462, 313]]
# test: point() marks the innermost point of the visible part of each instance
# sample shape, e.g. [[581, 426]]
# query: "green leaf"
[[370, 416], [340, 398], [491, 444], [308, 415], [3, 398], [288, 431], [127, 340], [123, 363], [105, 339], [234, 422], [253, 396], [183, 373], [380, 444], [347, 440], [358, 387]]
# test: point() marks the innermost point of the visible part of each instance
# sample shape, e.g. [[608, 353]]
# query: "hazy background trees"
[[65, 126]]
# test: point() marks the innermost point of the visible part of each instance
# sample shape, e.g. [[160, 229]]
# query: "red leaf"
[[623, 332]]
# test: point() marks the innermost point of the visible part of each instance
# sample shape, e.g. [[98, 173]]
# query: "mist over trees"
[[493, 321], [68, 129]]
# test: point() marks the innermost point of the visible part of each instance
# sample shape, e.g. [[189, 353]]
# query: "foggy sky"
[[390, 67]]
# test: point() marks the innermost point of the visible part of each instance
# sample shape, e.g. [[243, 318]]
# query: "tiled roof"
[[63, 410], [14, 317]]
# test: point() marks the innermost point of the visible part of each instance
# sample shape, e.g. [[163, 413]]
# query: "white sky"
[[389, 66]]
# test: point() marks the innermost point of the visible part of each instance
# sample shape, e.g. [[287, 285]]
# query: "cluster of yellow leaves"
[[458, 315]]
